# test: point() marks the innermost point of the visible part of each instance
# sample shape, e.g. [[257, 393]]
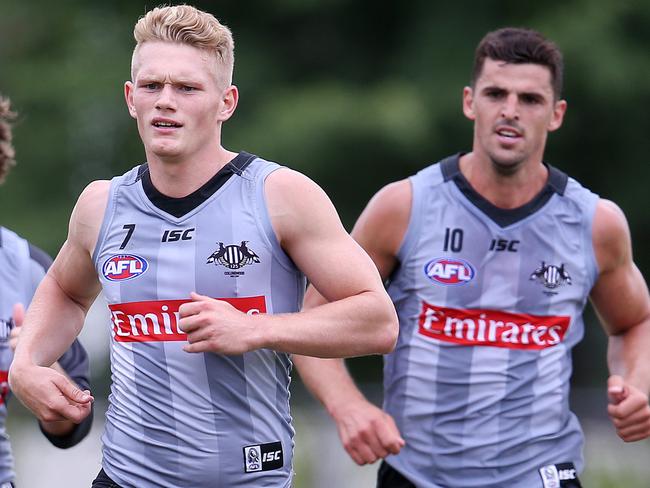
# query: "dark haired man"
[[22, 266], [491, 257]]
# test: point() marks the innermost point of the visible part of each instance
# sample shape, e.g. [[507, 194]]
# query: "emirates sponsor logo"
[[492, 328], [157, 320]]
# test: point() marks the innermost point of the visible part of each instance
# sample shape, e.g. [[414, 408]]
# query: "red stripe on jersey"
[[496, 328], [157, 320]]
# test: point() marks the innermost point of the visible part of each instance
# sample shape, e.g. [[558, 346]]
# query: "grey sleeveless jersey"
[[490, 305], [22, 266], [175, 418]]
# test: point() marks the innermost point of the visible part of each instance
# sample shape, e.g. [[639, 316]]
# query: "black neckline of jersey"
[[556, 183], [181, 206]]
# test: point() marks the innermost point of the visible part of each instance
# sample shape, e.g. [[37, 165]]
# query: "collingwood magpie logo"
[[253, 462], [233, 256], [551, 276]]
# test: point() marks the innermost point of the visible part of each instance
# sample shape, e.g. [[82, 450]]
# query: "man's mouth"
[[166, 124], [508, 132]]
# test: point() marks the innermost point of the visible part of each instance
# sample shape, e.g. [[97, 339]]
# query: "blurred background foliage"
[[353, 93]]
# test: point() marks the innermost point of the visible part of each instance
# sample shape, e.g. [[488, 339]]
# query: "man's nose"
[[166, 98], [510, 108]]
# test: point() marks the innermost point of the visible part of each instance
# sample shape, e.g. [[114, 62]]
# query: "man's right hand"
[[49, 394], [367, 432]]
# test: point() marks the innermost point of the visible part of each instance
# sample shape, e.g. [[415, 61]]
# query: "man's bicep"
[[620, 294], [620, 298], [73, 272], [332, 261], [381, 227], [39, 263], [311, 233], [73, 269]]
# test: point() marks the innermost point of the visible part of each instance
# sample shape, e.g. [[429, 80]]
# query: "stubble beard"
[[506, 167]]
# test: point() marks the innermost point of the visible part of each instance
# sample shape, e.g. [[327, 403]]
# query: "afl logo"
[[123, 267], [449, 271]]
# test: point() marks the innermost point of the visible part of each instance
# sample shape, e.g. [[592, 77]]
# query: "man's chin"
[[165, 151], [506, 166]]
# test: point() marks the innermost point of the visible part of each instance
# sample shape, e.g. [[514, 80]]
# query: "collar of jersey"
[[178, 207], [556, 183]]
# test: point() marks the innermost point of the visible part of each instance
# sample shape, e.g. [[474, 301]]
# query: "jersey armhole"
[[413, 228], [589, 241], [107, 218], [264, 219]]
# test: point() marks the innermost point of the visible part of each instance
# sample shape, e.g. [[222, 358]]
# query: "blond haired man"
[[202, 254]]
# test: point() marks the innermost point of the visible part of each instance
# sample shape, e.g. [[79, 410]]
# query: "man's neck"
[[178, 178], [504, 190]]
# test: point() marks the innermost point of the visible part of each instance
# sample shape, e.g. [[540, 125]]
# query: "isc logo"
[[124, 267], [271, 456], [449, 271], [263, 457]]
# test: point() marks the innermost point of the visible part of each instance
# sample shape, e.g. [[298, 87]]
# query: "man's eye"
[[530, 99]]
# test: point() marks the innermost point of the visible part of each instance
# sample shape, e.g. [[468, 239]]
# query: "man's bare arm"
[[359, 317], [367, 432], [621, 299]]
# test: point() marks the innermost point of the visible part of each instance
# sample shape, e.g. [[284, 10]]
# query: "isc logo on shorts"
[[559, 475], [263, 457], [448, 271], [122, 267]]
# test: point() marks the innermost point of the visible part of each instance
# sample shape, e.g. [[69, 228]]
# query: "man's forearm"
[[354, 326], [52, 323], [628, 355], [328, 380]]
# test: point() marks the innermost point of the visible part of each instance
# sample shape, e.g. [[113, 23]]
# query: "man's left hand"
[[629, 410]]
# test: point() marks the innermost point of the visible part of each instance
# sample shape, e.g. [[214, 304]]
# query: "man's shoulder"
[[440, 171], [94, 193], [11, 241], [13, 247], [7, 236], [565, 184], [16, 247]]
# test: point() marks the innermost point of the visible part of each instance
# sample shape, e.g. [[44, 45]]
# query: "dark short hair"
[[519, 46]]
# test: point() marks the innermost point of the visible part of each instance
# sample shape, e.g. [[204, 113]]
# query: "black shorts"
[[389, 477], [103, 481]]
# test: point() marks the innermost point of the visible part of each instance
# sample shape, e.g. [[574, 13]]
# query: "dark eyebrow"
[[493, 89], [538, 97]]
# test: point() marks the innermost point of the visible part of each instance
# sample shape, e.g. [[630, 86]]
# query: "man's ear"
[[128, 96], [229, 101], [468, 103]]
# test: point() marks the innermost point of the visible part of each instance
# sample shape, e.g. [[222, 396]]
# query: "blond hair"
[[7, 152], [185, 24]]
